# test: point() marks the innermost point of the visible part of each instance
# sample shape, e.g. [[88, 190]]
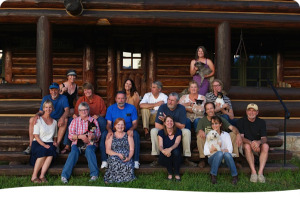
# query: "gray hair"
[[84, 104], [175, 95], [159, 84]]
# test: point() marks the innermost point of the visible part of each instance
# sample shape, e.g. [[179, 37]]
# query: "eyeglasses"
[[81, 110]]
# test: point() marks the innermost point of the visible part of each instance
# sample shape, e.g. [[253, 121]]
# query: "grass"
[[277, 181]]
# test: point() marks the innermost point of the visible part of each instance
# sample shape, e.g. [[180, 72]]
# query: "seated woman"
[[194, 110], [132, 96], [97, 111], [201, 56], [120, 148], [169, 140], [44, 144], [70, 89], [215, 159], [224, 110]]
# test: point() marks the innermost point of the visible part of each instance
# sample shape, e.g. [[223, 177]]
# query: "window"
[[255, 71], [132, 60]]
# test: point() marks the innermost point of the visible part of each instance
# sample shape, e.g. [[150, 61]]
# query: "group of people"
[[173, 117]]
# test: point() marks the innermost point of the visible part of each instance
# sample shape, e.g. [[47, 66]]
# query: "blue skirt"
[[38, 151]]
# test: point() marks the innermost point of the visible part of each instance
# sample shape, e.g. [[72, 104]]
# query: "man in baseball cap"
[[60, 114], [254, 135]]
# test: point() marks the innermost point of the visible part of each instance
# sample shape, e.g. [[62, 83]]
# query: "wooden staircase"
[[15, 112]]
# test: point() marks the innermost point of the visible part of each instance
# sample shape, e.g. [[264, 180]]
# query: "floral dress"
[[119, 171]]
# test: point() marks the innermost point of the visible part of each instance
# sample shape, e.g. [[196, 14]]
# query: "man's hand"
[[201, 134], [255, 145], [239, 140], [61, 122], [130, 132], [159, 103]]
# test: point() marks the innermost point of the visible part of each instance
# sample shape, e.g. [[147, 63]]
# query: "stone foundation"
[[292, 143]]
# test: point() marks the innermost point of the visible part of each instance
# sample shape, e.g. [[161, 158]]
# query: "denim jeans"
[[216, 159], [102, 124], [231, 121], [172, 162], [136, 139], [189, 123], [73, 158]]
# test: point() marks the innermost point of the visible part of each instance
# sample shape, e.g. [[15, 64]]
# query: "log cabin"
[[108, 41]]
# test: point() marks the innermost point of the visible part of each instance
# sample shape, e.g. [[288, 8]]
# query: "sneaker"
[[136, 165], [93, 178], [261, 178], [64, 180], [253, 178], [234, 180], [27, 150], [104, 164], [189, 163], [154, 163], [201, 164], [213, 179]]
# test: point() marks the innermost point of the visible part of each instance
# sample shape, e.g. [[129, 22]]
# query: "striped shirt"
[[79, 126], [210, 97]]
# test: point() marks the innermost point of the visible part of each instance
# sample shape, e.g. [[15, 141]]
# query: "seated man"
[[97, 111], [254, 135], [204, 126], [150, 104], [178, 113], [128, 112], [78, 130], [224, 111], [60, 114]]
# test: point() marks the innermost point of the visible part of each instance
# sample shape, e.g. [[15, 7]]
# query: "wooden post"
[[152, 66], [111, 77], [223, 54], [8, 65], [44, 54], [89, 65]]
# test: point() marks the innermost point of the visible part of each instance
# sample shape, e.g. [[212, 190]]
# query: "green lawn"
[[283, 180]]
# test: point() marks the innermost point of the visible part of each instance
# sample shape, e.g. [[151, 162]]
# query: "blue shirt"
[[167, 142], [179, 114], [59, 105], [129, 114]]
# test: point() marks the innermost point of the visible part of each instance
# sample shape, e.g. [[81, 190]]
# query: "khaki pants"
[[147, 118], [186, 141], [201, 142]]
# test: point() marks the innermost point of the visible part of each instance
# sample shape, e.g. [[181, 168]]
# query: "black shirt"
[[252, 130]]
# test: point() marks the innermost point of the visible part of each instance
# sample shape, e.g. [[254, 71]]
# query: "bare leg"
[[46, 166], [250, 157], [264, 150], [30, 132], [61, 132], [37, 166]]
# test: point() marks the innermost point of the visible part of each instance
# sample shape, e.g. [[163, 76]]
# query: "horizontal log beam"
[[24, 91], [155, 18], [236, 6]]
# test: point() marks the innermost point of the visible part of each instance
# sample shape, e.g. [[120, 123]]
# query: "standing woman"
[[44, 143], [201, 56], [132, 96], [215, 159], [194, 111], [169, 140], [120, 148], [70, 89]]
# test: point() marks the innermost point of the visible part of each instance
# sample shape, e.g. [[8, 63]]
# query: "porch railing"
[[286, 116]]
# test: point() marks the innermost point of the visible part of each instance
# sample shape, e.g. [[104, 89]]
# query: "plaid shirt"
[[79, 127]]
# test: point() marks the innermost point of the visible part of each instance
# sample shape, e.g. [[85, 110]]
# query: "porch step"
[[23, 170], [20, 143]]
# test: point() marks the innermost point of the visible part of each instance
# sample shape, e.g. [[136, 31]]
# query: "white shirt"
[[226, 143], [46, 132], [150, 99]]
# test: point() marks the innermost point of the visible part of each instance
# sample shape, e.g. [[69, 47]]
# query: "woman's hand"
[[55, 144], [162, 117], [84, 138], [47, 146]]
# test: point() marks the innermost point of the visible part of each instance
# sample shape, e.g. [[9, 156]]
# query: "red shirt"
[[97, 105]]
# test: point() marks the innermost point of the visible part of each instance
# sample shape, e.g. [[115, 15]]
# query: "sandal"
[[43, 180], [65, 150], [36, 180]]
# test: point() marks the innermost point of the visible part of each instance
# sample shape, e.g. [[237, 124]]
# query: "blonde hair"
[[193, 82], [48, 102]]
